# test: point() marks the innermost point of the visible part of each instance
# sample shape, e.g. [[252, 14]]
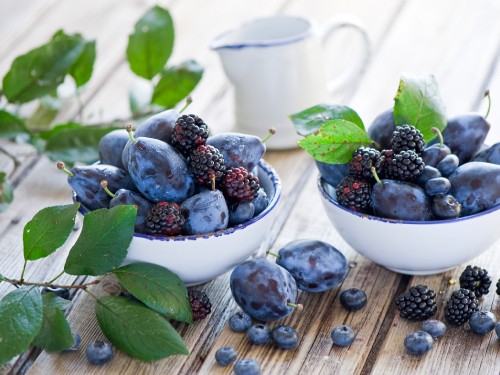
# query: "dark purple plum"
[[86, 182], [315, 265], [401, 200], [446, 207], [205, 212], [433, 154], [159, 126], [241, 212], [489, 155], [159, 172], [261, 201], [239, 150], [437, 186], [111, 147], [332, 173], [381, 129], [428, 173], [476, 185], [264, 290]]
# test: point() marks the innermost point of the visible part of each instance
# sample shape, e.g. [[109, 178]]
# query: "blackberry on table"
[[165, 218], [189, 132], [475, 279], [206, 164], [239, 185], [363, 159], [200, 304], [354, 194], [419, 303], [407, 137], [460, 306], [407, 166]]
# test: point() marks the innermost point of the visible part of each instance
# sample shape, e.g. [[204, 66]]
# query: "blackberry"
[[363, 159], [407, 166], [239, 185], [164, 219], [475, 279], [200, 304], [354, 194], [460, 306], [189, 132], [206, 164], [417, 304], [407, 137], [498, 287], [386, 168]]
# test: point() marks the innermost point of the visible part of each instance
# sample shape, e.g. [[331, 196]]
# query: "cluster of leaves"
[[333, 132], [37, 75], [139, 328]]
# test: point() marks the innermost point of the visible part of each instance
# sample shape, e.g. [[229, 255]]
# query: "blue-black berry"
[[60, 292], [99, 352], [460, 306], [77, 340], [435, 328], [418, 343], [482, 322], [285, 337], [247, 366], [343, 335], [226, 355], [259, 334], [497, 329], [418, 303], [240, 322], [475, 279], [353, 299]]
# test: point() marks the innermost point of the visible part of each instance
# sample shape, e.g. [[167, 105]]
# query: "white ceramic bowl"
[[200, 258], [413, 247]]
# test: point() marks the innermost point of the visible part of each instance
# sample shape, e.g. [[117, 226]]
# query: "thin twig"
[[51, 285]]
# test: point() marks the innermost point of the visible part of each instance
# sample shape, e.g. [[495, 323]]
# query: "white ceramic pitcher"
[[277, 67]]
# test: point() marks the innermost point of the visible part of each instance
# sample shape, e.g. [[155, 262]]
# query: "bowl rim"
[[321, 181], [265, 166]]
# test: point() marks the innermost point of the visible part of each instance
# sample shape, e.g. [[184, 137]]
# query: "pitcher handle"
[[356, 68]]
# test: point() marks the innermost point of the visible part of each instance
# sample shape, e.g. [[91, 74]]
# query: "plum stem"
[[440, 135], [297, 306], [129, 131], [487, 95], [104, 185], [62, 167], [272, 132], [273, 254], [212, 180], [375, 175], [189, 100]]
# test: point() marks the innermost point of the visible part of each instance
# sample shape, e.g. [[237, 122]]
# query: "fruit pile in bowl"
[[417, 193], [204, 203]]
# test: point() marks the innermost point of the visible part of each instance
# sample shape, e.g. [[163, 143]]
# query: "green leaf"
[[10, 125], [55, 334], [335, 142], [138, 330], [73, 142], [6, 192], [418, 103], [47, 110], [104, 241], [21, 313], [176, 83], [39, 72], [310, 120], [82, 69], [48, 230], [152, 42], [158, 288]]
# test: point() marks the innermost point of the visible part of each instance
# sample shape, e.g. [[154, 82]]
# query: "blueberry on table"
[[482, 322], [353, 299], [99, 352], [418, 343], [435, 328], [285, 337], [497, 329], [226, 355], [343, 335], [77, 340], [259, 334], [240, 322], [247, 366]]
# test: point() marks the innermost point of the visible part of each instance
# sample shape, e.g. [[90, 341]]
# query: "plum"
[[205, 212]]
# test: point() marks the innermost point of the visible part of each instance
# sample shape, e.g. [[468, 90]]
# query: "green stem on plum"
[[375, 175], [487, 95], [273, 254], [129, 131], [272, 132], [189, 100], [62, 167], [55, 278], [440, 135], [104, 185]]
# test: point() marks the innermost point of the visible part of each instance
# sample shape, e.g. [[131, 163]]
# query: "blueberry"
[[448, 165], [240, 322], [482, 322], [259, 334], [497, 329], [60, 292], [428, 173], [353, 299], [285, 337], [247, 366], [437, 186], [343, 335], [435, 328], [99, 352], [77, 340], [418, 343], [226, 355]]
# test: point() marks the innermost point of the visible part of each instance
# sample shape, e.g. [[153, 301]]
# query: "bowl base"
[[419, 273]]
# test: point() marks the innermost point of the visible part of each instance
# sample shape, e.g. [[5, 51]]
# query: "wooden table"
[[457, 40]]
